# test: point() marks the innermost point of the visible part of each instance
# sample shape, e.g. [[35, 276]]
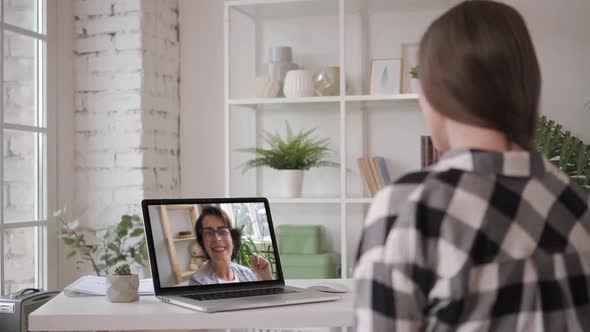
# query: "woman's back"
[[483, 241]]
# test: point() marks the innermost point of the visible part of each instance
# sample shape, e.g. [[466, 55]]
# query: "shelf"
[[277, 9], [361, 200], [379, 6], [279, 101], [280, 200], [398, 102], [185, 239], [398, 97]]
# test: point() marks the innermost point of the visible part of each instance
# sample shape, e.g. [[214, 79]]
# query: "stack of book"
[[428, 153], [374, 172]]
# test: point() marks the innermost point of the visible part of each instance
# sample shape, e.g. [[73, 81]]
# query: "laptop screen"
[[210, 242]]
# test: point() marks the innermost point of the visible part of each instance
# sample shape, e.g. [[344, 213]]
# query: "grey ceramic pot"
[[122, 288]]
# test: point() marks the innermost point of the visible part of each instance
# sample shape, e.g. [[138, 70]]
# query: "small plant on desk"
[[101, 248], [121, 285]]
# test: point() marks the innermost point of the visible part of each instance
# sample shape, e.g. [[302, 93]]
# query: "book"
[[365, 167], [376, 170], [428, 153], [384, 171]]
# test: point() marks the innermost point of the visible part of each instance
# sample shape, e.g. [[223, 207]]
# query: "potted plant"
[[414, 82], [103, 248], [121, 285], [291, 156], [569, 153]]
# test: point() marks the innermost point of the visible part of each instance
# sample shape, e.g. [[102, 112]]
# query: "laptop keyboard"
[[241, 293]]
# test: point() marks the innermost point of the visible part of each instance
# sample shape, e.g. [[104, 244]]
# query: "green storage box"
[[319, 266], [299, 239]]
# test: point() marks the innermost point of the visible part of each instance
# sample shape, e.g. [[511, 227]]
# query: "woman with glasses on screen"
[[220, 243]]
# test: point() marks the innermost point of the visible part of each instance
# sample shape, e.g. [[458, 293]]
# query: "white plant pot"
[[298, 84], [122, 288], [415, 85], [289, 182]]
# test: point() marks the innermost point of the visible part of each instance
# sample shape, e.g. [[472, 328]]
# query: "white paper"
[[95, 285]]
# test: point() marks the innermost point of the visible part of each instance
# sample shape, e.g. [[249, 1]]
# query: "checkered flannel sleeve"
[[392, 281]]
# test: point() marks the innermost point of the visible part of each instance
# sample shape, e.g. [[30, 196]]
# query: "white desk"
[[96, 313]]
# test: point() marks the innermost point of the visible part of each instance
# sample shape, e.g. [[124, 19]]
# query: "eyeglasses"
[[209, 232]]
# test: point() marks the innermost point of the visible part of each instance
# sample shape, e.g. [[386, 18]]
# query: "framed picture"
[[409, 60], [385, 76]]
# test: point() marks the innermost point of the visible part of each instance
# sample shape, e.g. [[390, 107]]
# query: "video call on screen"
[[231, 245]]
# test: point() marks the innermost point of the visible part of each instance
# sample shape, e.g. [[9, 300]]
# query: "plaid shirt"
[[481, 241]]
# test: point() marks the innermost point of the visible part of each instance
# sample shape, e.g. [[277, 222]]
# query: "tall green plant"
[[297, 151], [102, 248], [567, 152]]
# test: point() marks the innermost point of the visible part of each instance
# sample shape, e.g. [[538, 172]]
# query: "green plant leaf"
[[298, 151], [136, 232], [138, 259], [136, 217], [71, 254], [114, 248], [122, 232], [68, 241]]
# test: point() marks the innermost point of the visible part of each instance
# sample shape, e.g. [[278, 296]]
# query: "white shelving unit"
[[346, 33]]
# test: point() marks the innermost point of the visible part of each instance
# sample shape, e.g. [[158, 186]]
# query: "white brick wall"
[[126, 105]]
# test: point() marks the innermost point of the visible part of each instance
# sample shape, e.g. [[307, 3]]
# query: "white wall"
[[201, 97], [122, 131], [561, 34]]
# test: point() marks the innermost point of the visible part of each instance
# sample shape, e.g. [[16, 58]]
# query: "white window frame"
[[46, 186]]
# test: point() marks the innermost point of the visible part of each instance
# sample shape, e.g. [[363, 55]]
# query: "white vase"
[[122, 288], [290, 182], [298, 84], [415, 85]]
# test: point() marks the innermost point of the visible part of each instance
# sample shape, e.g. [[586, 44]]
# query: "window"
[[23, 133], [251, 218]]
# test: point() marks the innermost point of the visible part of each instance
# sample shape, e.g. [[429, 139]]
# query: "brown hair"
[[212, 210], [477, 65]]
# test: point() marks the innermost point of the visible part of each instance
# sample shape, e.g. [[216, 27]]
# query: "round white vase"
[[122, 288], [298, 84], [290, 182]]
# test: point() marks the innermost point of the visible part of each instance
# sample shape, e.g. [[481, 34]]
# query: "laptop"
[[236, 264]]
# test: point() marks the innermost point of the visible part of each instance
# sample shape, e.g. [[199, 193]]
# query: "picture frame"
[[409, 59], [385, 76]]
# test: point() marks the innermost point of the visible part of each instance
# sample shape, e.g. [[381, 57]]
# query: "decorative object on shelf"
[[266, 87], [375, 174], [184, 234], [299, 84], [414, 81], [197, 257], [302, 253], [327, 81], [102, 248], [569, 153], [428, 153], [385, 76], [409, 60], [121, 285], [296, 152], [280, 54], [280, 62]]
